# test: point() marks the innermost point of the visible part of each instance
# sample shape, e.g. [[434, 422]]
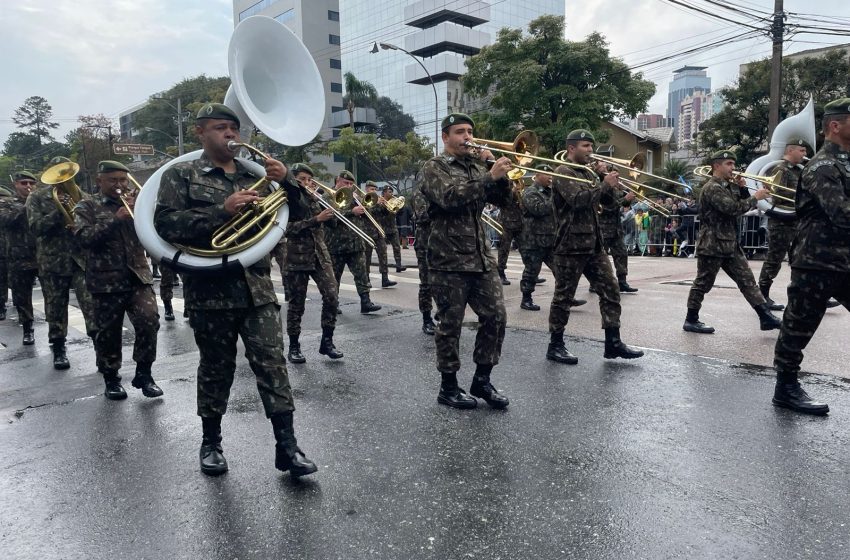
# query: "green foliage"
[[742, 124], [21, 144], [34, 117], [545, 83], [392, 121]]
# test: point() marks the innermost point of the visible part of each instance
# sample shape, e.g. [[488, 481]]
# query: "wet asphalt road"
[[670, 456]]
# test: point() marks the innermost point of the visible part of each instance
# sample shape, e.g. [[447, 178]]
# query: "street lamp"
[[388, 46]]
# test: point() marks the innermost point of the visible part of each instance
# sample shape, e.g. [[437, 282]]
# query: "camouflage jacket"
[[823, 209], [4, 193], [510, 212], [57, 249], [419, 204], [20, 241], [190, 208], [538, 217], [305, 237], [576, 217], [720, 205], [791, 176], [340, 239], [610, 214], [457, 189], [115, 259], [385, 218]]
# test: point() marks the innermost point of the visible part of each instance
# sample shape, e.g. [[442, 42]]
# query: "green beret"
[[59, 159], [543, 167], [347, 175], [580, 134], [837, 107], [371, 184], [23, 175], [302, 168], [723, 154], [457, 118], [388, 187], [107, 166], [797, 142], [217, 111]]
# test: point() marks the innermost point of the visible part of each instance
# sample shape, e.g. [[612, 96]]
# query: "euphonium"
[[65, 191]]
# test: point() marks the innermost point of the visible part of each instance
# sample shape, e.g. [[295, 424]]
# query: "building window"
[[286, 16], [335, 109], [336, 87], [255, 8], [333, 39], [339, 158], [333, 16], [335, 133], [336, 64]]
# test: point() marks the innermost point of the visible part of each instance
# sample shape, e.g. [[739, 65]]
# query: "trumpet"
[[65, 191], [770, 181], [341, 199]]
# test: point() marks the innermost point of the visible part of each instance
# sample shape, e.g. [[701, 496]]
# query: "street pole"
[[179, 126], [777, 32]]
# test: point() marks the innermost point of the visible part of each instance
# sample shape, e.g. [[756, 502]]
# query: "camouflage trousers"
[[139, 305], [216, 332], [297, 281], [55, 289], [425, 296], [4, 283], [616, 247], [279, 254], [482, 291], [21, 282], [738, 270], [533, 259], [505, 242], [568, 270], [167, 282], [780, 236], [356, 261], [808, 295], [381, 250]]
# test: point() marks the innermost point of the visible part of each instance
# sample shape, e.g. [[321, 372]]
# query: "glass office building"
[[441, 33]]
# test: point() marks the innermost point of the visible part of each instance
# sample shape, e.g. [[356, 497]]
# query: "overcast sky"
[[104, 56]]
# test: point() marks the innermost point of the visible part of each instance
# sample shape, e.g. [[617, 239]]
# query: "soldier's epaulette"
[[817, 165]]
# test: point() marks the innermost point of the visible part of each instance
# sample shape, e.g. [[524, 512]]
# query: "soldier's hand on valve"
[[325, 215], [630, 196], [358, 210], [275, 170], [123, 214], [485, 155], [612, 179], [237, 201], [501, 168], [761, 194]]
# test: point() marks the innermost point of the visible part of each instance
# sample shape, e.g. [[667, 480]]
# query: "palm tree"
[[358, 93]]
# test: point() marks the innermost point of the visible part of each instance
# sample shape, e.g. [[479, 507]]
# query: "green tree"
[[357, 94], [89, 144], [34, 117], [742, 123], [21, 144], [545, 83], [382, 159]]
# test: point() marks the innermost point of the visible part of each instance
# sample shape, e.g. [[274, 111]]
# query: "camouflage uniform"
[[167, 282], [510, 218], [720, 205], [820, 262], [346, 248], [387, 221], [423, 230], [380, 242], [120, 282], [539, 238], [308, 258], [20, 255], [190, 207], [4, 268], [612, 232], [781, 230], [61, 264], [461, 267]]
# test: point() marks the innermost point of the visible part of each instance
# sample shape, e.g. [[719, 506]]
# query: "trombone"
[[61, 177], [487, 219], [371, 201], [771, 181], [341, 199], [635, 167], [130, 194]]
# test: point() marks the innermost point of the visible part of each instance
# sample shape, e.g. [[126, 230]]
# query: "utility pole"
[[180, 120], [777, 32]]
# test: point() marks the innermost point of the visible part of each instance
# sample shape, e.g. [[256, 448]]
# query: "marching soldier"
[[820, 263], [378, 211], [20, 250], [195, 199], [461, 268], [612, 230], [346, 248], [4, 267], [309, 258], [510, 218], [388, 222], [119, 280], [423, 229], [61, 265], [539, 238], [722, 200], [168, 279], [579, 250]]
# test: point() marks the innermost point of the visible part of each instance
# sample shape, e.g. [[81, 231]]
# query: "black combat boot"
[[386, 282], [528, 303], [29, 334], [557, 351], [428, 325], [576, 302], [483, 389], [789, 394], [169, 311], [768, 321], [693, 324], [288, 456], [366, 305], [113, 391], [398, 266], [3, 313], [144, 381], [772, 305], [212, 458], [616, 348], [294, 355], [504, 279], [539, 280], [452, 395], [326, 346], [60, 356], [625, 288]]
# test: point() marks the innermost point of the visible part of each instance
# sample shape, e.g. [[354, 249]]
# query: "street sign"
[[133, 149]]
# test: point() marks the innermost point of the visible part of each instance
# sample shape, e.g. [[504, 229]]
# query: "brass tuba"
[[66, 192]]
